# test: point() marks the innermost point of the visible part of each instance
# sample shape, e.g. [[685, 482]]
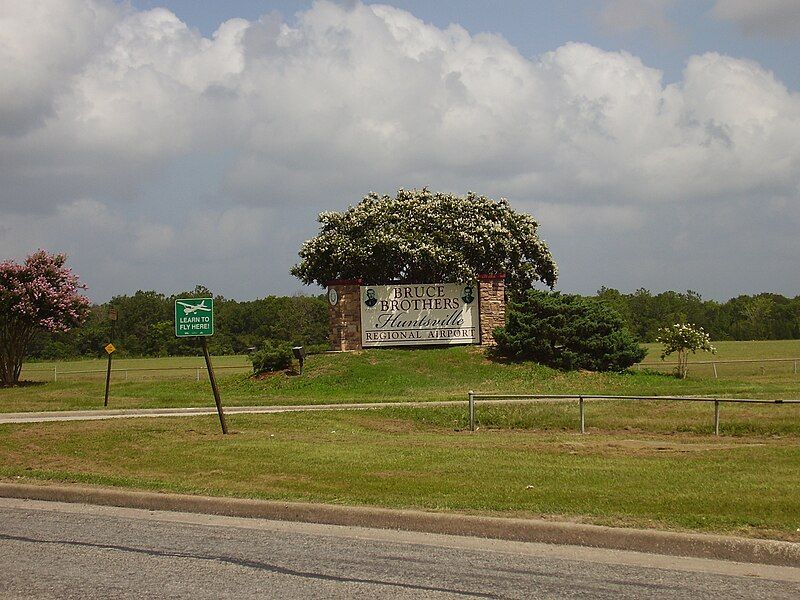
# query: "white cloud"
[[44, 44], [767, 17], [353, 97], [312, 115]]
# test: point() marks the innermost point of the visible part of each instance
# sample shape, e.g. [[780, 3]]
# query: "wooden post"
[[214, 388]]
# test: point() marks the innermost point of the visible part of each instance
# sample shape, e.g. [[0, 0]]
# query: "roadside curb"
[[522, 530]]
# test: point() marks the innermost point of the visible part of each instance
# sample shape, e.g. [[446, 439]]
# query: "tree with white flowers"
[[684, 338], [425, 236]]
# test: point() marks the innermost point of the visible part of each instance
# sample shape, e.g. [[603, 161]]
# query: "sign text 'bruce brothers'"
[[418, 314]]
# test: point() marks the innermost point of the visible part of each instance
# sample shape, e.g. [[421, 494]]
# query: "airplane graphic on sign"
[[191, 308]]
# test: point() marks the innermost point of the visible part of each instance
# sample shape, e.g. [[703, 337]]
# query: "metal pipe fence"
[[764, 363], [56, 373], [582, 398]]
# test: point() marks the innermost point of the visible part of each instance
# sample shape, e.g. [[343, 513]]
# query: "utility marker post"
[[471, 410], [109, 348], [194, 317]]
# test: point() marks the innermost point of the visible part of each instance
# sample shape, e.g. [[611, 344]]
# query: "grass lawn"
[[651, 464], [630, 469], [386, 375]]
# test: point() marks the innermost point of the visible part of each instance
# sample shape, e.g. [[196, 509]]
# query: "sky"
[[165, 144]]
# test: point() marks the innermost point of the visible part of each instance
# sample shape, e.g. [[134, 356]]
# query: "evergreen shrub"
[[567, 332]]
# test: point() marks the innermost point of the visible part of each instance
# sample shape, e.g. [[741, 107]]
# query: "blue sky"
[[163, 144]]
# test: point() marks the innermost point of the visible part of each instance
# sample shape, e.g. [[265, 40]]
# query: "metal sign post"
[[194, 317], [110, 351], [214, 387], [109, 348]]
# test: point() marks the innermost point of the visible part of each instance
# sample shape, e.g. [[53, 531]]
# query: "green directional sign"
[[194, 317]]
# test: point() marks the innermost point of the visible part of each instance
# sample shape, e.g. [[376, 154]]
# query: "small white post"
[[795, 367], [583, 421], [55, 372], [197, 377], [716, 417], [471, 410], [713, 364]]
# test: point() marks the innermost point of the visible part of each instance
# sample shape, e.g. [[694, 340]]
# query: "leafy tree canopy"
[[425, 236], [567, 331]]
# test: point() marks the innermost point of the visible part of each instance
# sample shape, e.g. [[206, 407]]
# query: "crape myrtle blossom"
[[684, 338], [425, 236], [40, 294]]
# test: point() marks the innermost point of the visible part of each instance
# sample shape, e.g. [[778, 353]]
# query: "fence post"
[[795, 367], [713, 364], [583, 421], [471, 410], [55, 372], [716, 417], [197, 377]]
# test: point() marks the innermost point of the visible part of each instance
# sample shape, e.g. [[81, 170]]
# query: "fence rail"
[[581, 398], [198, 370], [714, 363]]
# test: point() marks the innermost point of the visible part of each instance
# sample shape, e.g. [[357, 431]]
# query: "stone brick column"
[[491, 305], [345, 315]]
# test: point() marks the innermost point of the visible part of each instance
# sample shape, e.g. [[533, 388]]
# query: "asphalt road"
[[54, 550]]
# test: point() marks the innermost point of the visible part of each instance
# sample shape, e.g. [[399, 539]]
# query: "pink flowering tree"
[[40, 294]]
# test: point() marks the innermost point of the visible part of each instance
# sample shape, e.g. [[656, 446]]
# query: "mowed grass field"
[[648, 464], [387, 375], [617, 474]]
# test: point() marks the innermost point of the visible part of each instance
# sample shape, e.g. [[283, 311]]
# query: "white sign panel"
[[419, 314]]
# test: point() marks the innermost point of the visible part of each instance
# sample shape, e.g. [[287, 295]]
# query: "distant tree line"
[[145, 322], [145, 326], [759, 317]]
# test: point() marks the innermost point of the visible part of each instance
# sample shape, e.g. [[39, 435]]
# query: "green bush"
[[272, 356], [567, 331], [317, 349]]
